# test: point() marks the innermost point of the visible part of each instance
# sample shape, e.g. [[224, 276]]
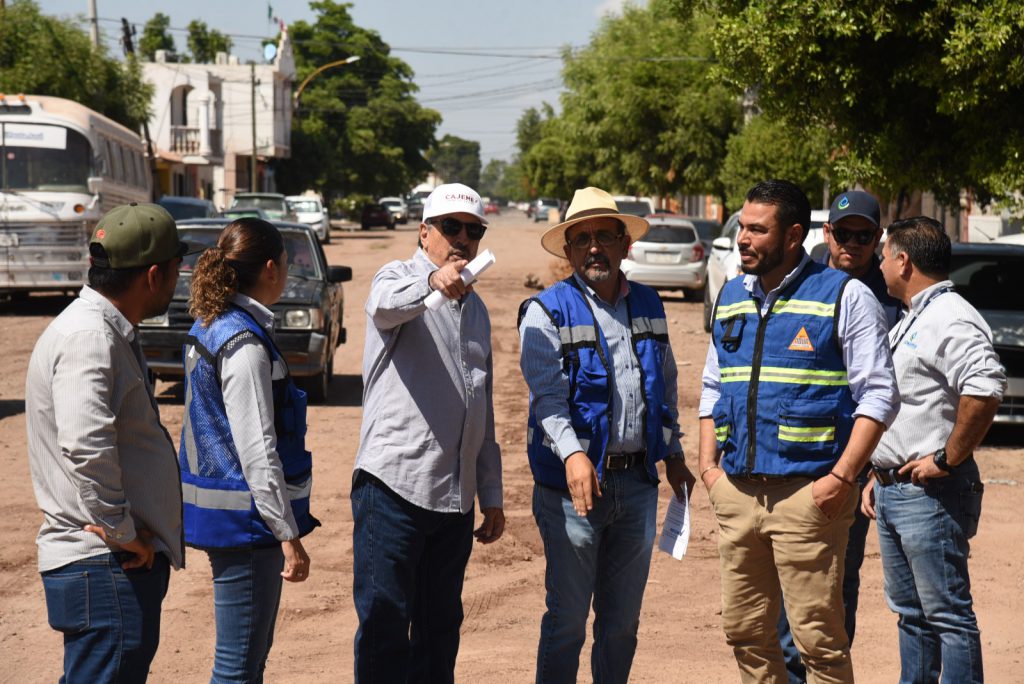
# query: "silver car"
[[669, 257]]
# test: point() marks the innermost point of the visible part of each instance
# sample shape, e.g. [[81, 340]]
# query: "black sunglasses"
[[452, 227], [605, 238], [861, 237]]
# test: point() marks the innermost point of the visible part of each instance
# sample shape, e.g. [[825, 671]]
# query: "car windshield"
[[302, 261], [634, 208], [45, 158], [989, 281], [267, 204], [241, 212], [305, 205], [185, 210], [669, 235], [708, 230], [391, 203]]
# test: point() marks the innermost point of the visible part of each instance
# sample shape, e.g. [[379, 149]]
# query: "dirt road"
[[680, 632]]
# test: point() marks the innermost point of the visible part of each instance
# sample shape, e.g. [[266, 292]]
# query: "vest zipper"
[[755, 372]]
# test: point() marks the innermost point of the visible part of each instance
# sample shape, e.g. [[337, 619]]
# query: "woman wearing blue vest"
[[245, 473]]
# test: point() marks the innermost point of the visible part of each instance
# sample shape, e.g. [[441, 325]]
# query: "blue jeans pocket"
[[67, 601], [970, 502]]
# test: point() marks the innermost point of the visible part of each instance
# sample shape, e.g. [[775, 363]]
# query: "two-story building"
[[202, 122]]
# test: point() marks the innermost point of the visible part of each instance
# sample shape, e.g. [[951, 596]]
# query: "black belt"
[[624, 461], [890, 476]]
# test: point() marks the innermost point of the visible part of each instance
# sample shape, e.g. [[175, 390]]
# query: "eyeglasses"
[[605, 238], [861, 237], [452, 227]]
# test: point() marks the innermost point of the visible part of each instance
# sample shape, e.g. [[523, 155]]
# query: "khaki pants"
[[773, 536]]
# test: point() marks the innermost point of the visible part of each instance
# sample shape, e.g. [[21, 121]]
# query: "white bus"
[[62, 166]]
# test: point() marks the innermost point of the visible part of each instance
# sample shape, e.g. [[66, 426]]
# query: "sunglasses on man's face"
[[605, 238], [452, 227], [861, 237]]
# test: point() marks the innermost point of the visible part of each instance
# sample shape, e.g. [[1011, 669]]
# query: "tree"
[[43, 55], [457, 160], [358, 127], [155, 37], [204, 43], [492, 178], [915, 94]]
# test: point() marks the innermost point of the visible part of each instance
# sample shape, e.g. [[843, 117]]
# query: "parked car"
[[398, 208], [242, 212], [310, 210], [308, 319], [637, 206], [541, 206], [707, 228], [415, 207], [991, 277], [1015, 239], [181, 208], [492, 207], [723, 265], [669, 257], [376, 215], [814, 243], [275, 204]]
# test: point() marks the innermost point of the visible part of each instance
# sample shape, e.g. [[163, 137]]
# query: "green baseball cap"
[[134, 235]]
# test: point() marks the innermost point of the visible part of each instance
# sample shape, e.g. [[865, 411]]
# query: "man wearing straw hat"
[[602, 378]]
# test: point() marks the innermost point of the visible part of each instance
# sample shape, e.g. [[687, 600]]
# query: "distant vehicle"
[[244, 212], [1017, 239], [273, 203], [181, 208], [376, 215], [492, 207], [541, 206], [63, 167], [669, 257], [398, 208], [723, 265], [991, 277], [415, 209], [310, 210], [637, 206], [814, 243], [707, 228], [308, 319]]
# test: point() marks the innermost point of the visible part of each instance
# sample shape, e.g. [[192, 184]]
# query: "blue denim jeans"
[[110, 617], [409, 566], [246, 596], [795, 669], [604, 557], [923, 533]]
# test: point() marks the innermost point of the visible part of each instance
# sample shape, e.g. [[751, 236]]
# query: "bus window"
[[45, 157], [128, 165], [114, 154]]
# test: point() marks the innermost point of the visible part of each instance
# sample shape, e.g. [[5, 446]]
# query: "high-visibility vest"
[[785, 407], [586, 362], [218, 508]]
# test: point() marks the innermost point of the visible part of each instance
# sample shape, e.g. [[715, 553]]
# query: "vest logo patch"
[[801, 342]]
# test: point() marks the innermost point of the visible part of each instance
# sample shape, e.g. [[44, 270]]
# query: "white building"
[[202, 122]]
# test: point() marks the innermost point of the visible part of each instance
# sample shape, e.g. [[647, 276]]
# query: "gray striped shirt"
[[97, 450]]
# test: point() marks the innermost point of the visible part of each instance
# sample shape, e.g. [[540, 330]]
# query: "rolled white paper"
[[469, 274]]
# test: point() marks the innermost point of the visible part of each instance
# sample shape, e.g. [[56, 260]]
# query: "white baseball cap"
[[453, 198]]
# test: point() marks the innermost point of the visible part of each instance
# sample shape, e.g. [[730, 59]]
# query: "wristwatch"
[[940, 460]]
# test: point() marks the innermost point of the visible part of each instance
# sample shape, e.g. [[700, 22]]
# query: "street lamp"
[[302, 86]]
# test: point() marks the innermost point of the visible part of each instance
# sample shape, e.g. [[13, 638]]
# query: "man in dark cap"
[[103, 467]]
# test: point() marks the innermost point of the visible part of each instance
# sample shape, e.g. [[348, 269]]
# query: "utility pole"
[[129, 49], [252, 159], [94, 24]]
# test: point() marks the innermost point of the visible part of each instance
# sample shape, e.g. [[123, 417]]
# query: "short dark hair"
[[790, 202], [114, 281], [925, 243]]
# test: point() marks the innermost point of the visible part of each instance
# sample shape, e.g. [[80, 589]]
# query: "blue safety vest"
[[785, 407], [586, 362], [219, 510]]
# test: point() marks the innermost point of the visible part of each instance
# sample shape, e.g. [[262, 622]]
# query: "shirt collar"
[[423, 262], [622, 293], [263, 315], [921, 299], [752, 283], [110, 312]]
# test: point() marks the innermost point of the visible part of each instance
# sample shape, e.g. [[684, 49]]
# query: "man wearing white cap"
[[602, 378], [427, 450]]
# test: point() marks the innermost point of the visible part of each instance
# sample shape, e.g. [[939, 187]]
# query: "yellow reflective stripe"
[[735, 374], [744, 307], [721, 433], [804, 306], [807, 434], [797, 376]]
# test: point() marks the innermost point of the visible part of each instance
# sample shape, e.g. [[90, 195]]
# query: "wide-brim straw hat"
[[591, 203]]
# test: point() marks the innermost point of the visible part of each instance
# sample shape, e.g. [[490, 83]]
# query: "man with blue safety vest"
[[798, 389], [602, 378], [852, 234]]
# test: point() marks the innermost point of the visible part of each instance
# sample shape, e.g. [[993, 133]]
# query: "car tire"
[[390, 226], [692, 293], [317, 386], [708, 306], [327, 236]]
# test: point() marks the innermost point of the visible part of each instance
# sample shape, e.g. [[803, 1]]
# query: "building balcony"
[[188, 140]]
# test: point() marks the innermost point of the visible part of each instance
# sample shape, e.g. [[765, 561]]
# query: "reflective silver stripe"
[[191, 453], [577, 333], [300, 491], [218, 499], [666, 434], [656, 326], [529, 435]]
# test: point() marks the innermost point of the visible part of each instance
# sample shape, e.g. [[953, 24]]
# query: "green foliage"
[[204, 43], [155, 37], [358, 127], [457, 160], [491, 178], [41, 55], [771, 149], [916, 94]]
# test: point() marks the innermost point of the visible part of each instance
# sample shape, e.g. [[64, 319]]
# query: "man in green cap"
[[104, 470]]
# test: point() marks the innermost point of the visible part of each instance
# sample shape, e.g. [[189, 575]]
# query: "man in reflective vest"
[[602, 378], [798, 389]]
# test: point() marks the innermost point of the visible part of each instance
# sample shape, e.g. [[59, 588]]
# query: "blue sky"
[[522, 30]]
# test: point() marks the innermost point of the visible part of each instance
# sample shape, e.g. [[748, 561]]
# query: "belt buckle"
[[616, 461]]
